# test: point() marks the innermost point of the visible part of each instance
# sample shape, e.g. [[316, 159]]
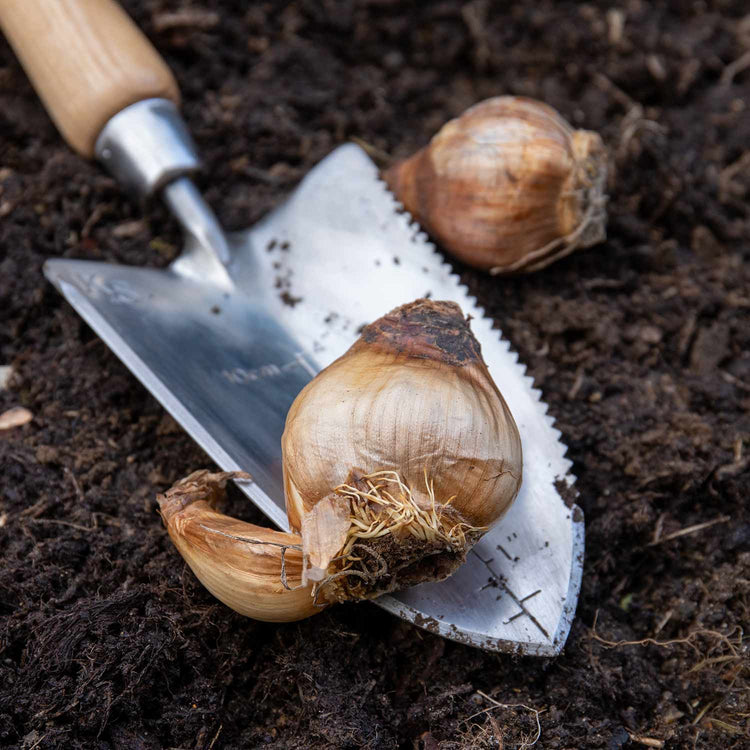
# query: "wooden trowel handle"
[[87, 61]]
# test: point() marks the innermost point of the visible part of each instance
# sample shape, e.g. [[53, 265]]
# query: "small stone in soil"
[[15, 417]]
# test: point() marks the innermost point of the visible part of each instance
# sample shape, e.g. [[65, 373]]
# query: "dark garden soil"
[[640, 345]]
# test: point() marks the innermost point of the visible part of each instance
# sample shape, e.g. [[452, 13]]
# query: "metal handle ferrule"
[[147, 145]]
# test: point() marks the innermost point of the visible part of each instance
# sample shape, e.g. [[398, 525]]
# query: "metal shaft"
[[147, 147]]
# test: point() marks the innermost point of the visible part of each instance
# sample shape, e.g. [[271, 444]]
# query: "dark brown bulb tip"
[[425, 329]]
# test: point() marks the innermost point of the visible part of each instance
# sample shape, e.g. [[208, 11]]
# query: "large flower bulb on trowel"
[[397, 458], [399, 455]]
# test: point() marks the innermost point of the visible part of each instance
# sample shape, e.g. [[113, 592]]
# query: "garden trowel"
[[229, 333]]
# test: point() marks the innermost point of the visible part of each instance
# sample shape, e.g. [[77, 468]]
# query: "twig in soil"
[[687, 530], [703, 712], [76, 486], [731, 728], [496, 731], [737, 450], [658, 528], [6, 373], [664, 620], [738, 464], [716, 660], [734, 380], [734, 67], [497, 704], [615, 25], [686, 641], [38, 739], [66, 523], [608, 87], [474, 15], [727, 175], [216, 737], [189, 18], [704, 718], [632, 125], [96, 215], [577, 383], [647, 741]]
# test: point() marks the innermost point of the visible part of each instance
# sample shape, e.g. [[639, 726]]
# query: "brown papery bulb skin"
[[508, 186], [411, 413], [254, 570]]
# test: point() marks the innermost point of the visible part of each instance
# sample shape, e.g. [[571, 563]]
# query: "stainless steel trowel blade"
[[227, 362]]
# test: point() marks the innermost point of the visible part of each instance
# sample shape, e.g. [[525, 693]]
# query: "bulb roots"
[[394, 526]]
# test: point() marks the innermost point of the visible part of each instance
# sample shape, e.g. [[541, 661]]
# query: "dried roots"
[[397, 538]]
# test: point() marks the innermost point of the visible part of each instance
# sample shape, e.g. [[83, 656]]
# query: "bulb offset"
[[509, 186]]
